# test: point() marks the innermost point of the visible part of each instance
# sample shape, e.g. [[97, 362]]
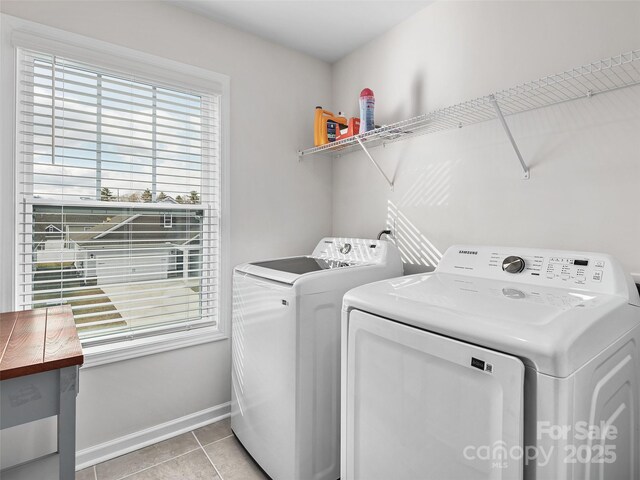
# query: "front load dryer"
[[285, 406], [504, 363]]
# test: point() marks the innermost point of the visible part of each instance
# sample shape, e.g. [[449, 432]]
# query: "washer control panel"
[[575, 270], [553, 268], [356, 250], [578, 270]]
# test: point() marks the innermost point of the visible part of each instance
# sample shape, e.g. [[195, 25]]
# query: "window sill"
[[128, 349]]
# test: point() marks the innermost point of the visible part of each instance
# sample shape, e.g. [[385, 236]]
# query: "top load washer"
[[505, 363], [285, 406]]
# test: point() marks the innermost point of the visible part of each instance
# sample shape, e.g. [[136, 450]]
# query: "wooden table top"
[[34, 341]]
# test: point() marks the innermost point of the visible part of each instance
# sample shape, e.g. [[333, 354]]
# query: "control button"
[[599, 264], [581, 279], [597, 276], [513, 264], [346, 248], [565, 276]]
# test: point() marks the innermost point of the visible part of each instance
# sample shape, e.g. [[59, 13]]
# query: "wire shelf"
[[598, 77]]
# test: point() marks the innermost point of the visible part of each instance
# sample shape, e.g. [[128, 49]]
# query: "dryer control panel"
[[595, 272]]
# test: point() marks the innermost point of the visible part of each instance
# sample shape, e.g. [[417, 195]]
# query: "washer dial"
[[346, 248], [513, 264]]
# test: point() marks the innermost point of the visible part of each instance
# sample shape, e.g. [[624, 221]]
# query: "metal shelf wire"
[[581, 82]]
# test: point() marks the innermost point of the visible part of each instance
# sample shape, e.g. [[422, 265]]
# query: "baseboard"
[[134, 441]]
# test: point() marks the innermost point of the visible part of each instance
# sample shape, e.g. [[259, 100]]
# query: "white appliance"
[[285, 406], [500, 355]]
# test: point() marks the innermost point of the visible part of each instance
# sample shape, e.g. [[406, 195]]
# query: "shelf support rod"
[[525, 168], [375, 163]]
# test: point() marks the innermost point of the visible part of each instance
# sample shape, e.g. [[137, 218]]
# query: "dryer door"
[[422, 406]]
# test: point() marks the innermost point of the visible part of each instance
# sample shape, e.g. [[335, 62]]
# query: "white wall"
[[465, 186], [278, 205]]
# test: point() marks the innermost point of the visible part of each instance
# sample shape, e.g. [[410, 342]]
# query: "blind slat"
[[70, 179], [148, 118], [202, 167], [176, 262], [132, 313], [99, 86], [120, 301], [30, 293], [115, 335], [59, 118], [75, 72], [92, 150], [104, 116], [208, 296], [54, 99], [110, 152], [103, 142], [112, 273]]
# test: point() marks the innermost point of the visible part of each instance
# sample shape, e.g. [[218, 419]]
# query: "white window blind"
[[118, 198]]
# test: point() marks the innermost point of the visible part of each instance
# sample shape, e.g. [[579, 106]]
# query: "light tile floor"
[[208, 453]]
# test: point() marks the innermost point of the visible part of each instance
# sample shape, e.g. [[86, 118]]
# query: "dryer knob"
[[513, 264]]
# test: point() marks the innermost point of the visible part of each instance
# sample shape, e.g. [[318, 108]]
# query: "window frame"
[[23, 34]]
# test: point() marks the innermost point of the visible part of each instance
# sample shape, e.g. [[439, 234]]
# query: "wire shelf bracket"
[[525, 168], [601, 76], [378, 167]]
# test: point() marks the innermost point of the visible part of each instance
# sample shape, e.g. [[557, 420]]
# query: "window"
[[118, 199]]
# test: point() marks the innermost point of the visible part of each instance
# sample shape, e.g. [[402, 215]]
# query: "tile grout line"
[[200, 446], [216, 441], [156, 464], [207, 455]]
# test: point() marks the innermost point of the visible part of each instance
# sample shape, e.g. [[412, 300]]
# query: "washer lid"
[[301, 265], [553, 330], [290, 269], [330, 255]]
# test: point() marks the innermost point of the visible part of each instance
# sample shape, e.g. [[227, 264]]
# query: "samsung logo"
[[467, 252]]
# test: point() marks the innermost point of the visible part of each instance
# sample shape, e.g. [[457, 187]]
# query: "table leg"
[[67, 422]]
